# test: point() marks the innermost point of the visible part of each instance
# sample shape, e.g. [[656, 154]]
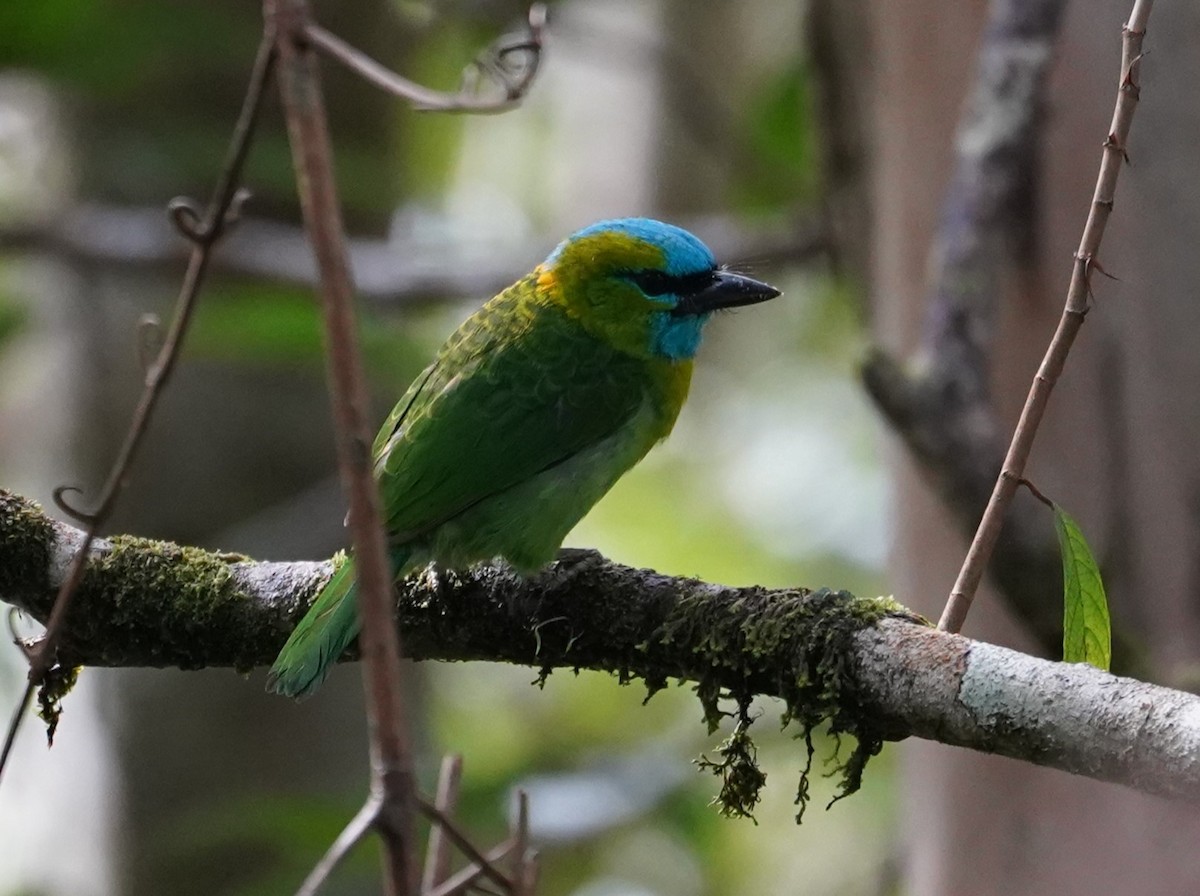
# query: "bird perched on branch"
[[530, 412]]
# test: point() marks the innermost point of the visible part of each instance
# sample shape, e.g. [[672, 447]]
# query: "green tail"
[[321, 637]]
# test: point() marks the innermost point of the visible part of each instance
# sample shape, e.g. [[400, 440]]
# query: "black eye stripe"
[[657, 283]]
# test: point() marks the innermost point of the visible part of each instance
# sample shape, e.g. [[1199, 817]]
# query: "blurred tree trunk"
[[697, 146], [41, 378], [1120, 447]]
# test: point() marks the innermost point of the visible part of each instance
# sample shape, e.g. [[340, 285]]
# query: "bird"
[[530, 412]]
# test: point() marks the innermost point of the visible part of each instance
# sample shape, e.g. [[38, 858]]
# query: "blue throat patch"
[[676, 338]]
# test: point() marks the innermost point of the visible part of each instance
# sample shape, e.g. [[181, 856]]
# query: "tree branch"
[[397, 270], [147, 603]]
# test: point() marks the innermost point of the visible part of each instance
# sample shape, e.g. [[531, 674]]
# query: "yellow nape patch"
[[545, 277]]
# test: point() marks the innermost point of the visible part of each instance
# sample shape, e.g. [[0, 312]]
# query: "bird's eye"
[[653, 283], [657, 283]]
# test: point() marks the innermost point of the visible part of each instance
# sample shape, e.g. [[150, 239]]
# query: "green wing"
[[517, 390]]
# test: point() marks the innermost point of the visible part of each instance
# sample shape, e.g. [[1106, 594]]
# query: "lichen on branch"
[[153, 603], [865, 664]]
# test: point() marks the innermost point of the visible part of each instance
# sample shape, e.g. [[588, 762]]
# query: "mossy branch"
[[865, 666]]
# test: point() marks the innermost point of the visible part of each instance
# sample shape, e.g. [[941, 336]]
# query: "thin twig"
[[443, 831], [379, 642], [1037, 493], [532, 867], [460, 881], [459, 839], [522, 882], [351, 835], [497, 69], [14, 724], [223, 210], [437, 850], [941, 403], [967, 583]]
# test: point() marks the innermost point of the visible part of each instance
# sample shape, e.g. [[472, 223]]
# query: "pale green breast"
[[526, 524], [523, 422]]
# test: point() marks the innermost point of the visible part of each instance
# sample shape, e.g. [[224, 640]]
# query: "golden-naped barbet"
[[530, 412]]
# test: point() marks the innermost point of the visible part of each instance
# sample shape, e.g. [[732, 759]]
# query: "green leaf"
[[1087, 636]]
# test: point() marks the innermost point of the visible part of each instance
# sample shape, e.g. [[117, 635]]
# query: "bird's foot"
[[569, 565]]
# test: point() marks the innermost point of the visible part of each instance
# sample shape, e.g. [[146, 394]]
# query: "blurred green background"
[[165, 782]]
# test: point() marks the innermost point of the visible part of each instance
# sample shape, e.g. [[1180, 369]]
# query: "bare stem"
[[524, 859], [459, 839], [980, 550], [351, 835], [223, 210], [379, 642], [497, 67], [437, 851], [14, 724], [465, 879]]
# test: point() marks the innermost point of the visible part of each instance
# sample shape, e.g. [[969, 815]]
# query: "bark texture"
[[865, 665]]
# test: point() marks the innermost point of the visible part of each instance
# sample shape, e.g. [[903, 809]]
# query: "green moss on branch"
[[26, 537], [152, 603]]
